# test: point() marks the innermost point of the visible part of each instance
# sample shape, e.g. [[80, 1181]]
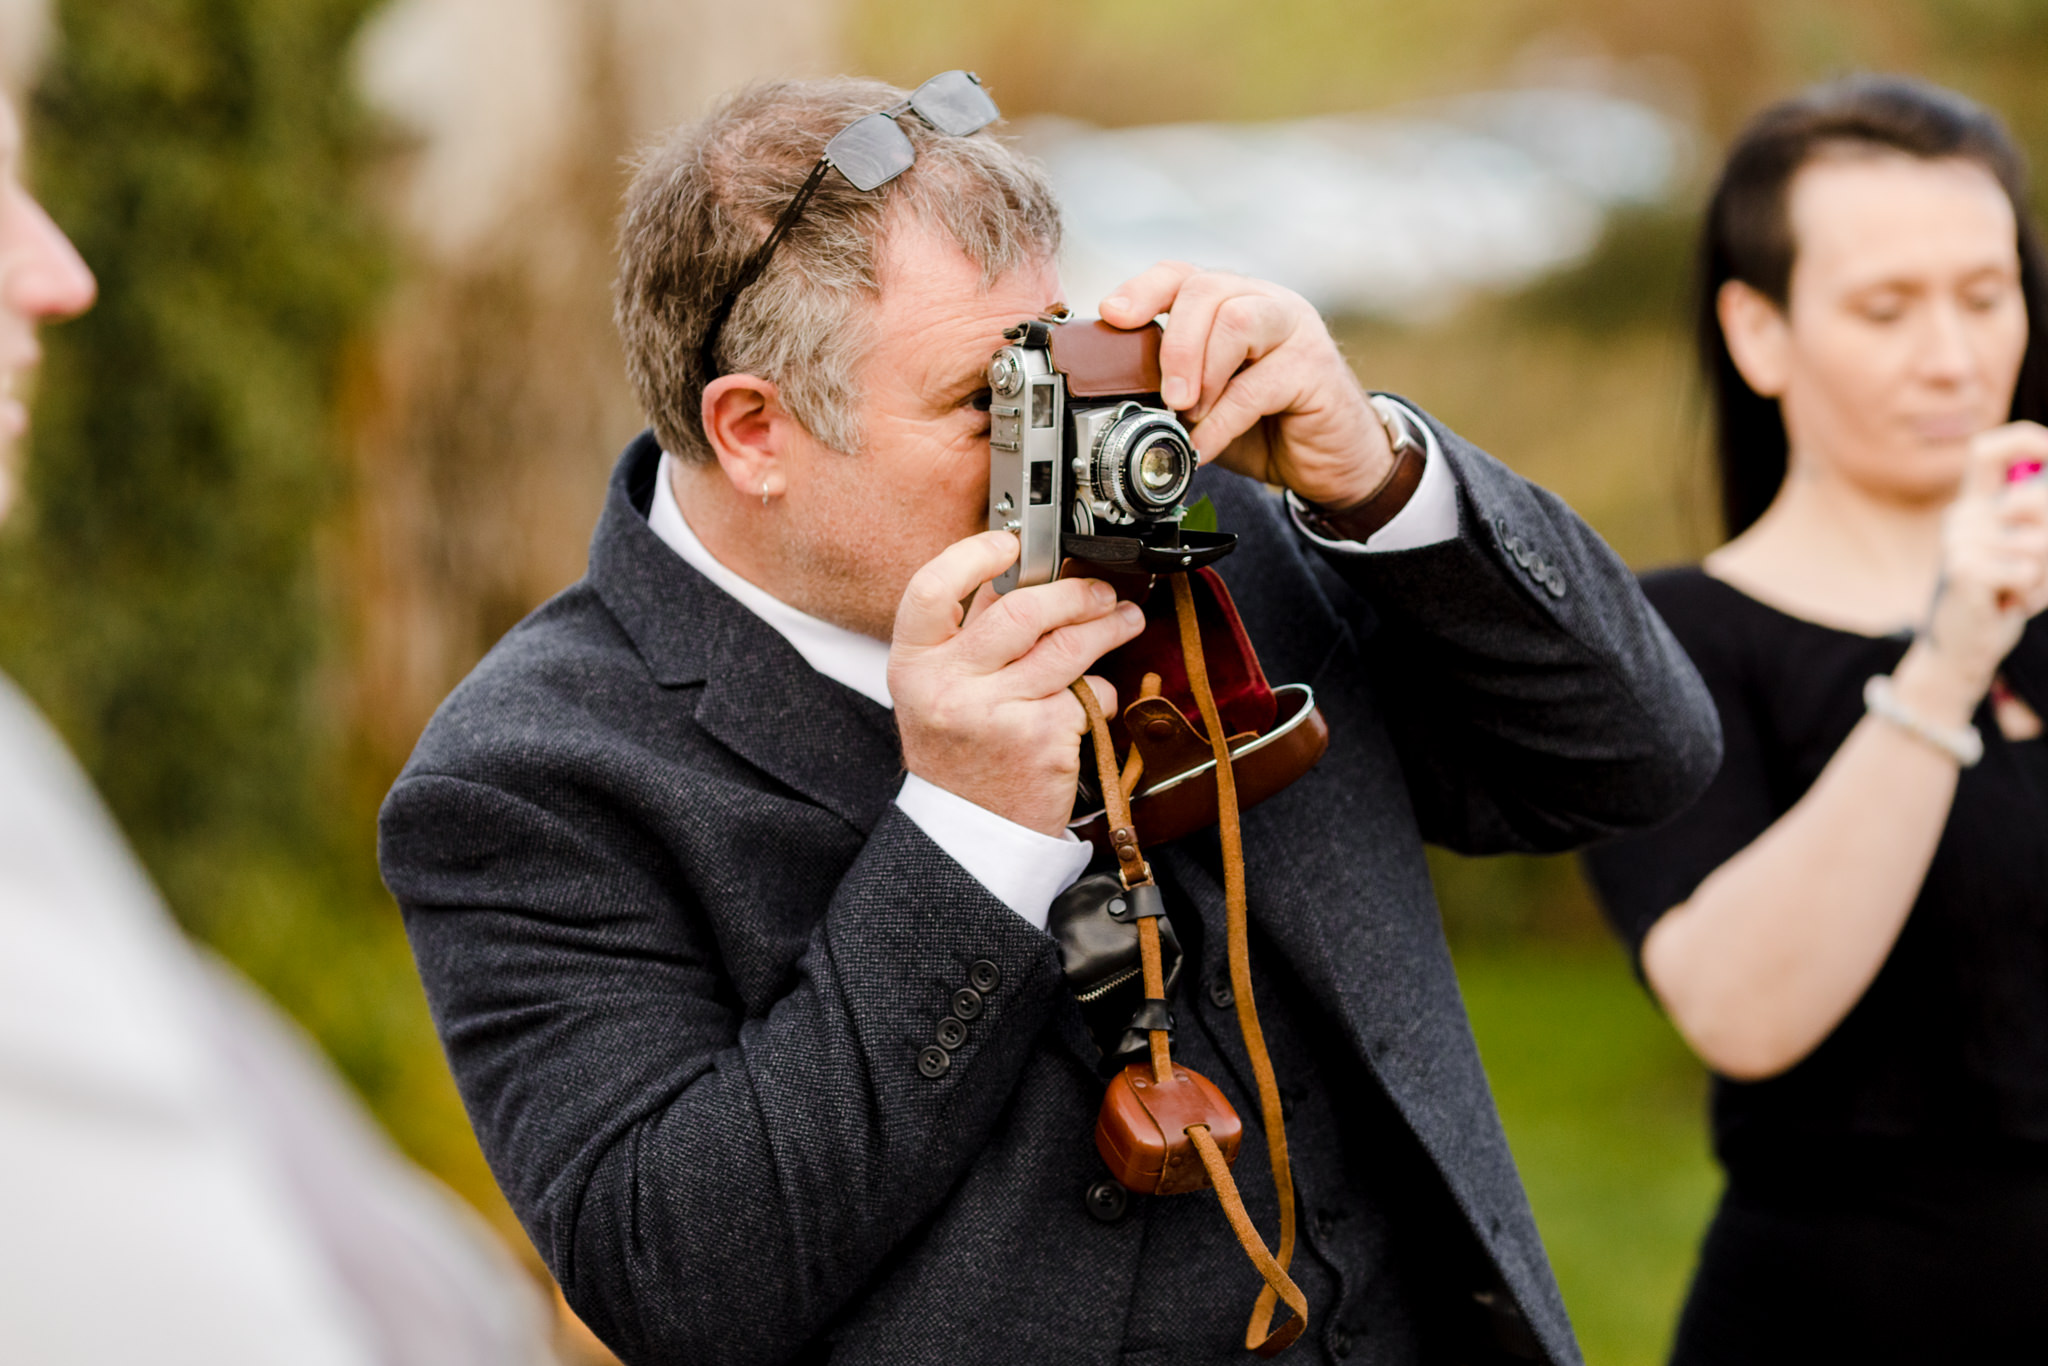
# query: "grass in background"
[[1605, 1111]]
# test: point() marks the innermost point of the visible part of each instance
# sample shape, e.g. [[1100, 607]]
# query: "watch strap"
[[1383, 504]]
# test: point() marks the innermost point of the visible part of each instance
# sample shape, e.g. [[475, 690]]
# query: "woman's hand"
[[1994, 575]]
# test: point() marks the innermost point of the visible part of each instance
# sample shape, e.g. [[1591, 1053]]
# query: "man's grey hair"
[[706, 196]]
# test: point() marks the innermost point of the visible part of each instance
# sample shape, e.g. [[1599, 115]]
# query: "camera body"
[[1086, 464]]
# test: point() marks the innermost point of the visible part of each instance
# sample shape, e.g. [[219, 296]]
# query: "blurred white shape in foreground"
[[1391, 215]]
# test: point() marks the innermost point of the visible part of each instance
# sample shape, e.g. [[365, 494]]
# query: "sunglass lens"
[[872, 152], [954, 102]]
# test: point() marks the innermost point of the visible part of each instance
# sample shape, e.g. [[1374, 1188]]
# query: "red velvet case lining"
[[1243, 697]]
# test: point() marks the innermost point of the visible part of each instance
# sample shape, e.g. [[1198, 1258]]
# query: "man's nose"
[[45, 277]]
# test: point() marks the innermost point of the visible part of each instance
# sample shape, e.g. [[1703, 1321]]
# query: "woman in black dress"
[[1851, 927]]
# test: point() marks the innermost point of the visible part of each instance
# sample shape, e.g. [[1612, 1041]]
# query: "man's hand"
[[982, 703], [1259, 381]]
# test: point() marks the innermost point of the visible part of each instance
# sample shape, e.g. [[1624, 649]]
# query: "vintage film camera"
[[1090, 470], [1085, 462]]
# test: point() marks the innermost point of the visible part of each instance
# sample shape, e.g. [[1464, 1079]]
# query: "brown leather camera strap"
[[1260, 1336], [1131, 866], [1238, 935]]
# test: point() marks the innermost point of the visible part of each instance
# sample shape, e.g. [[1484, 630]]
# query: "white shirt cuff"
[[1020, 868], [1430, 517]]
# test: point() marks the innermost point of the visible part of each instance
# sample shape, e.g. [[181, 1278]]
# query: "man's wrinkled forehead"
[[937, 314]]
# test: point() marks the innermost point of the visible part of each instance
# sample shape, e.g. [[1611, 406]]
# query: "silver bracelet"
[[1963, 744]]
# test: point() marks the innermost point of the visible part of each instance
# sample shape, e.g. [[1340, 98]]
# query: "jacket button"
[[1340, 1343], [1107, 1200], [952, 1033], [1220, 994], [934, 1061], [984, 975], [967, 1003]]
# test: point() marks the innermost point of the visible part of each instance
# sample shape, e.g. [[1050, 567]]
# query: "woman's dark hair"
[[1748, 237]]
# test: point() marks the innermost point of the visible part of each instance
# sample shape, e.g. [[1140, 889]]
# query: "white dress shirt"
[[1020, 867]]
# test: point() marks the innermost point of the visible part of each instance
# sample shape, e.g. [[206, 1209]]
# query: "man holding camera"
[[728, 871]]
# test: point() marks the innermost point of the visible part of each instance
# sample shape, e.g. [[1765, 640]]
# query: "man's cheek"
[[955, 488]]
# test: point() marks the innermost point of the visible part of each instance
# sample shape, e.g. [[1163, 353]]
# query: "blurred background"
[[346, 408]]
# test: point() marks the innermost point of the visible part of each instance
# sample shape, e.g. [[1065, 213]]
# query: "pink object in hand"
[[2022, 470]]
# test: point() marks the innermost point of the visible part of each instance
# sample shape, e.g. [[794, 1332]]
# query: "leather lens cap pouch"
[[1095, 923]]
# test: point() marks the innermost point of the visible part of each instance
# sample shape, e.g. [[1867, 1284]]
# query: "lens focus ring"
[[1145, 463]]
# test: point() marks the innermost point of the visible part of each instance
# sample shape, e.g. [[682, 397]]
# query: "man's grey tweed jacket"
[[683, 950]]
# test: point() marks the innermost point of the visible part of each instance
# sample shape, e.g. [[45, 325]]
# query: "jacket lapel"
[[763, 702], [760, 699]]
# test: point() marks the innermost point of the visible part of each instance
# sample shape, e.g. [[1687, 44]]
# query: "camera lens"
[[1140, 466], [1151, 464], [1161, 468]]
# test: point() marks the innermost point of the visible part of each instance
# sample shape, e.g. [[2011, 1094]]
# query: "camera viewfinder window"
[[1041, 482], [1041, 405]]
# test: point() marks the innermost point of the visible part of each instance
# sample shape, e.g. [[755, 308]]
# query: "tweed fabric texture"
[[1391, 1270], [684, 952]]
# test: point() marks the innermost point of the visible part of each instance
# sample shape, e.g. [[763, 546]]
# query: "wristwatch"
[[1359, 520]]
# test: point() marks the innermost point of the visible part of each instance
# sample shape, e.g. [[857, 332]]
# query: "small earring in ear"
[[764, 493]]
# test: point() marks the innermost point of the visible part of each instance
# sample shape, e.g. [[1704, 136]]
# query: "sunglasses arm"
[[757, 263]]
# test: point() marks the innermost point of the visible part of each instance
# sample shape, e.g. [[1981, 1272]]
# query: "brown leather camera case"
[[1167, 728], [1101, 361]]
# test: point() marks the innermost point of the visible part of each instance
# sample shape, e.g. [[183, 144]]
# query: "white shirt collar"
[[860, 662]]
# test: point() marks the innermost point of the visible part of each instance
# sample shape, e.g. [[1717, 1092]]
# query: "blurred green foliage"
[[162, 588]]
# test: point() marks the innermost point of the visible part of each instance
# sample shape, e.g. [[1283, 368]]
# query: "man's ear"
[[748, 429], [1759, 337]]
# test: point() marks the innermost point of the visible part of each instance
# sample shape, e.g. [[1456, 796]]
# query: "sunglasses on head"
[[870, 152]]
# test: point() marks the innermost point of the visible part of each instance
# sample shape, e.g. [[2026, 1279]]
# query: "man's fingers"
[[1192, 298], [1217, 322], [984, 597], [1243, 403], [1181, 350], [1105, 698], [1145, 296], [1247, 328], [930, 611], [1063, 655], [1013, 625]]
